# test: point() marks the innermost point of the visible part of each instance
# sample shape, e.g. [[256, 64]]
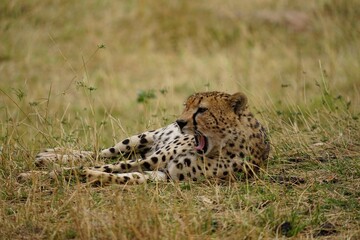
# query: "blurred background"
[[139, 60]]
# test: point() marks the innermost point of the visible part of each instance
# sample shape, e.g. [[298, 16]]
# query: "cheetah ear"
[[238, 102]]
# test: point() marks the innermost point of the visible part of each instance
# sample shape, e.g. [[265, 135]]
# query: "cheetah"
[[216, 136]]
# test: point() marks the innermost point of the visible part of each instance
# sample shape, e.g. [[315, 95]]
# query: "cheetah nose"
[[181, 123]]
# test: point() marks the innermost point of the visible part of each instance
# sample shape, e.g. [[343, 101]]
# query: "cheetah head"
[[211, 117]]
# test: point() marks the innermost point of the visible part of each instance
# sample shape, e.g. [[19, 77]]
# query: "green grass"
[[86, 74]]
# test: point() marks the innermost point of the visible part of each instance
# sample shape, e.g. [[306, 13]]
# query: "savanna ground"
[[87, 73]]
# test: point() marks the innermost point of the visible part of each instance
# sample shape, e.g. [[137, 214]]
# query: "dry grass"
[[82, 73]]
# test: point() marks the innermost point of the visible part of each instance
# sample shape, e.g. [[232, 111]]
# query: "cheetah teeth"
[[201, 142]]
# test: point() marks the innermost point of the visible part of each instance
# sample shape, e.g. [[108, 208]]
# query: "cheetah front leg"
[[135, 144], [66, 172], [52, 163], [155, 161], [62, 156], [104, 178]]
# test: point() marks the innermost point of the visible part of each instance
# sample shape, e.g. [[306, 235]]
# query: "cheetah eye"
[[202, 109]]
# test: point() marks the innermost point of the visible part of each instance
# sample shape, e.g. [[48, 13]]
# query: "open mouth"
[[201, 142]]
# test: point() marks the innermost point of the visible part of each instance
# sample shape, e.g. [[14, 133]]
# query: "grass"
[[86, 74]]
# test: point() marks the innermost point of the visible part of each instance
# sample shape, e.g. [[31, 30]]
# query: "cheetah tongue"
[[200, 142]]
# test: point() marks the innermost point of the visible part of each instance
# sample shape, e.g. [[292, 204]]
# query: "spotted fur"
[[215, 137]]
